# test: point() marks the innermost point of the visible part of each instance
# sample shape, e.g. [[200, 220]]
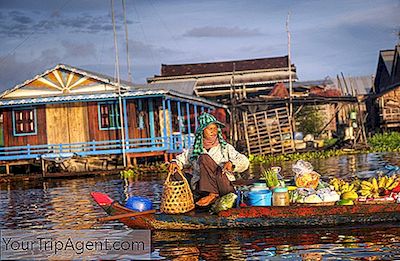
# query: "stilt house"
[[70, 112]]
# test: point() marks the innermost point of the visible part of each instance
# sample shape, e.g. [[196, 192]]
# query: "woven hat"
[[206, 119]]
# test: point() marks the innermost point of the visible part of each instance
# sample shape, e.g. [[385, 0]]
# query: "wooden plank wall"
[[157, 103], [133, 116], [67, 123], [39, 138], [133, 131], [269, 132], [94, 130], [390, 112]]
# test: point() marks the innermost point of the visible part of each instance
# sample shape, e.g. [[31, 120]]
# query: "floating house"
[[221, 80], [384, 103], [70, 113]]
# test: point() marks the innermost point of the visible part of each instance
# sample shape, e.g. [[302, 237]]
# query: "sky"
[[327, 37]]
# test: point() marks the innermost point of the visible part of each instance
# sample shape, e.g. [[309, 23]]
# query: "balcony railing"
[[94, 148]]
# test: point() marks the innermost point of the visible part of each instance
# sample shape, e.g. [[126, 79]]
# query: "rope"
[[121, 116], [127, 45]]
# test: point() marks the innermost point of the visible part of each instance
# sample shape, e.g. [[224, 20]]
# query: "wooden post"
[[44, 167], [258, 133], [269, 131], [280, 130], [244, 114]]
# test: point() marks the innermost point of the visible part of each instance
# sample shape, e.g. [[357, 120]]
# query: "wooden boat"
[[300, 215]]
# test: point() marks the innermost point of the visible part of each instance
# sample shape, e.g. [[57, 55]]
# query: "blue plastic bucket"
[[260, 198], [139, 203]]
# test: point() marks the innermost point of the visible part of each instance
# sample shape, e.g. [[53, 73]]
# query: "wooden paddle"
[[126, 215]]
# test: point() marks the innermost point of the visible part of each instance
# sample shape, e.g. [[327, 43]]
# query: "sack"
[[177, 196], [305, 176]]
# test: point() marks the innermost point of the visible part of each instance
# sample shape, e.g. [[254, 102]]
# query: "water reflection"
[[66, 204], [360, 165], [276, 244]]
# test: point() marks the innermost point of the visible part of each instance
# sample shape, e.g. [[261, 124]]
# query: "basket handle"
[[179, 172]]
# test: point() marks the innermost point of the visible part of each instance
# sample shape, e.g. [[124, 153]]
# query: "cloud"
[[11, 67], [382, 15], [20, 18], [21, 23], [140, 49], [221, 31], [81, 50]]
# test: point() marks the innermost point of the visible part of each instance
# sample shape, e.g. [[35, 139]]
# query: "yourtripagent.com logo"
[[75, 244]]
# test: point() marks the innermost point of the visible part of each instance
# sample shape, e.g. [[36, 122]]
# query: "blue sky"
[[328, 37]]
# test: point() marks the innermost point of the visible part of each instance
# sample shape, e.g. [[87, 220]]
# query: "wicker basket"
[[177, 196]]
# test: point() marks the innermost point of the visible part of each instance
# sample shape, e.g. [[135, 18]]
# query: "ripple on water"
[[66, 204]]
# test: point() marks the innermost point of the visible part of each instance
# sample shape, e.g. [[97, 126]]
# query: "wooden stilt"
[[44, 167]]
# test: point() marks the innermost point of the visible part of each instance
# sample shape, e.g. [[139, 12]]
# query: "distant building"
[[384, 104], [67, 111], [222, 80]]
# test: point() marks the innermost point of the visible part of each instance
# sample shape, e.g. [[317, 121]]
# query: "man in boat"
[[213, 161]]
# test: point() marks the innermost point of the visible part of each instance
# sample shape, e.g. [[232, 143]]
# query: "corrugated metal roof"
[[185, 87], [361, 85], [327, 82]]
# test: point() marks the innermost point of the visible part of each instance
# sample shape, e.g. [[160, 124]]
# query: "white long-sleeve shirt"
[[220, 156]]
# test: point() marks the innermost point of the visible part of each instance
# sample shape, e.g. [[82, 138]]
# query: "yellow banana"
[[366, 183], [375, 184], [351, 187], [345, 188], [336, 186], [394, 184], [382, 182], [389, 182], [365, 192], [364, 187]]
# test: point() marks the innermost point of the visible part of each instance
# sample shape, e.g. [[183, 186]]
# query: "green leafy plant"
[[271, 178], [385, 141], [309, 120], [130, 173]]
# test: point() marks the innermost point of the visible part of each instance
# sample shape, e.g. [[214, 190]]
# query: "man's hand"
[[228, 166], [173, 167]]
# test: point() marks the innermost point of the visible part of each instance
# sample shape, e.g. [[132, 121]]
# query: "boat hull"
[[255, 217]]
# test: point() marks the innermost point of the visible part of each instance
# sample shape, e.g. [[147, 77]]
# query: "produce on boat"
[[335, 202]]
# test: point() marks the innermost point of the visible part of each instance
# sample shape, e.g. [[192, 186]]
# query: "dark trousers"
[[212, 180]]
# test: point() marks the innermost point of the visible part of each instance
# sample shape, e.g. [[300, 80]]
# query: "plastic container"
[[260, 198], [298, 135], [259, 187], [280, 197], [139, 203]]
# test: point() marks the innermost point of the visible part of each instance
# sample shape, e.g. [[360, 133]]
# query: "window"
[[24, 122], [109, 116]]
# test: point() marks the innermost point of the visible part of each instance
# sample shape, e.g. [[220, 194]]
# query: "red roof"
[[220, 67]]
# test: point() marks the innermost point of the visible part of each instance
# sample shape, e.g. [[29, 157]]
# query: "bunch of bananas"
[[342, 186], [373, 188], [387, 183]]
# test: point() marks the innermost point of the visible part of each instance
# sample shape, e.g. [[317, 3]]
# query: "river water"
[[66, 204]]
